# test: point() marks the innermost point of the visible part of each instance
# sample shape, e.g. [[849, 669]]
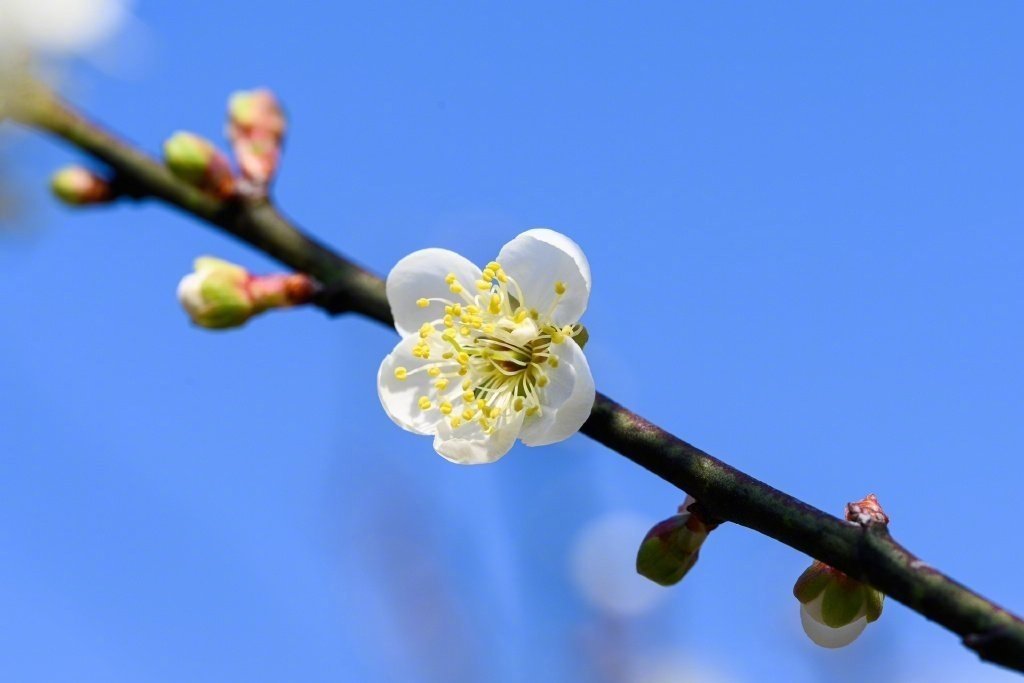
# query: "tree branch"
[[865, 553]]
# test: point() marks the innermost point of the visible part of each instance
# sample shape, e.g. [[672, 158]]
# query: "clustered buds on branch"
[[834, 608], [256, 127], [671, 547], [222, 295], [218, 295]]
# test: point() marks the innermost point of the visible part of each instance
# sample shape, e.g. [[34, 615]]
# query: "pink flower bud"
[[79, 186], [256, 128], [197, 161]]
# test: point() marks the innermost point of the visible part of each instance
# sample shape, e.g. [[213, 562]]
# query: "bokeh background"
[[804, 223]]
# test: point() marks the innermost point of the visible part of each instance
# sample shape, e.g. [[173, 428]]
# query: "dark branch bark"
[[866, 553]]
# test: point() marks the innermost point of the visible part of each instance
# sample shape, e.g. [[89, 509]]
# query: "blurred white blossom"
[[671, 667], [603, 566], [56, 28]]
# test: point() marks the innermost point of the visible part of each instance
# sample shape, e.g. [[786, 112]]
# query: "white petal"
[[568, 398], [400, 398], [468, 445], [539, 258], [190, 292], [824, 635], [421, 274]]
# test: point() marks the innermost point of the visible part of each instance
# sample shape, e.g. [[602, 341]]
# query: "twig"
[[866, 553]]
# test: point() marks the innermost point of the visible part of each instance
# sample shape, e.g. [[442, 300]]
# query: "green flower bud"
[[221, 295], [671, 547], [216, 295], [196, 161], [79, 186], [834, 608]]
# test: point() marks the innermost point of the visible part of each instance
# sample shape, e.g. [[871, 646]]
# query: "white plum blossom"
[[488, 355]]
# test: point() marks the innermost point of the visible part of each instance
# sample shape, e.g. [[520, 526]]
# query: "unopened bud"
[[198, 162], [258, 109], [79, 186], [671, 547], [256, 128], [222, 295], [834, 608]]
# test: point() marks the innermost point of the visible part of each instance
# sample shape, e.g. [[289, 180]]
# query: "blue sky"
[[804, 225]]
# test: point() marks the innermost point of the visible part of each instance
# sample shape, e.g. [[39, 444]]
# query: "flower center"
[[490, 355]]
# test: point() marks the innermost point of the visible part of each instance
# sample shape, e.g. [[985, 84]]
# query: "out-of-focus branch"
[[867, 553]]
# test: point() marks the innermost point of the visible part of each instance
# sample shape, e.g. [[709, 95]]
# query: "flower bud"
[[672, 546], [834, 608], [216, 295], [221, 295], [259, 109], [196, 161], [79, 186], [256, 127]]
